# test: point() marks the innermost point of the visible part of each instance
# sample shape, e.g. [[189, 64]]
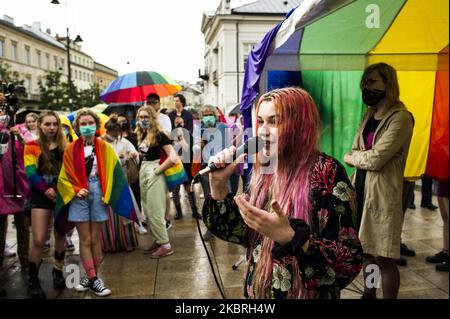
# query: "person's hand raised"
[[274, 224]]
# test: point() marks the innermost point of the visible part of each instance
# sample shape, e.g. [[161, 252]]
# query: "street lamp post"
[[69, 71]]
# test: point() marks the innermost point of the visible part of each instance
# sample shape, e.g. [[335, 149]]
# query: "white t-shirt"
[[165, 123], [87, 152], [124, 146]]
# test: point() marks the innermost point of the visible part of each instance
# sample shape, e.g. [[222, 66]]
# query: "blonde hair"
[[33, 115], [151, 133], [83, 112]]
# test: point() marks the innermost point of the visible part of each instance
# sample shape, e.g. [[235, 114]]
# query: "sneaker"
[[98, 287], [162, 252], [35, 290], [59, 282], [9, 252], [440, 257], [401, 262], [141, 229], [69, 244], [412, 206], [430, 206], [46, 246], [83, 285], [168, 224], [442, 266], [405, 251], [152, 248]]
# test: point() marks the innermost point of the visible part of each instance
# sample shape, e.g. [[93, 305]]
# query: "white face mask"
[[3, 149], [4, 119]]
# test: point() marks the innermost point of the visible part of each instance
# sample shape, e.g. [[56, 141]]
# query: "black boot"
[[34, 286], [179, 214], [176, 201], [57, 273], [194, 209]]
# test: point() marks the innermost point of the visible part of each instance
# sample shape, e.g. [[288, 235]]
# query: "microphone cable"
[[206, 249]]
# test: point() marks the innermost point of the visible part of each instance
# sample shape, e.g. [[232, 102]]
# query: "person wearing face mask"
[[379, 153], [127, 133], [154, 101], [91, 181], [10, 204], [43, 160], [214, 138], [183, 142], [118, 233], [154, 144]]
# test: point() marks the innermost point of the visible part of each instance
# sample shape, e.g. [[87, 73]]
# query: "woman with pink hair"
[[296, 220]]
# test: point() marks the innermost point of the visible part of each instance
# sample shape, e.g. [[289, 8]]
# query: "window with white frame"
[[47, 61], [13, 50], [247, 49], [38, 59], [2, 48], [26, 55]]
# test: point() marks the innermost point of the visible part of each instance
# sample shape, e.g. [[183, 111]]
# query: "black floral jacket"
[[334, 256]]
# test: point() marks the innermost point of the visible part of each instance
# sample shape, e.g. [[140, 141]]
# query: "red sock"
[[97, 261], [89, 268]]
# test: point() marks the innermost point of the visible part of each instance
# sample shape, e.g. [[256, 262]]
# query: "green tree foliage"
[[9, 76], [53, 92]]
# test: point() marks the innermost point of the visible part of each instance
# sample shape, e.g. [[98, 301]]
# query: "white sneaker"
[[9, 252], [141, 229], [83, 285]]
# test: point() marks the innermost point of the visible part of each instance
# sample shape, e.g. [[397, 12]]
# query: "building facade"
[[31, 53], [103, 75], [230, 34]]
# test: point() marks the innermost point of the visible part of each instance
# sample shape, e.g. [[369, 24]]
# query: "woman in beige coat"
[[379, 153]]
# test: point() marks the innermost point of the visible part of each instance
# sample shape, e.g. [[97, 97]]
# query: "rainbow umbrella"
[[328, 55], [134, 87]]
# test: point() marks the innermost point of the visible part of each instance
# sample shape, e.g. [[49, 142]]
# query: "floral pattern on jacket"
[[334, 255]]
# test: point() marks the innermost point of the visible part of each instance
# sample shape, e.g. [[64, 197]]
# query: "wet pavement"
[[187, 275]]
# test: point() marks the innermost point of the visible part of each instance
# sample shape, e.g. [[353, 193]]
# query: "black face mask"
[[179, 126], [372, 97], [125, 126]]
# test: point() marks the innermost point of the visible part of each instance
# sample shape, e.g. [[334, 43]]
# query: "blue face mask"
[[209, 120], [143, 124], [88, 131]]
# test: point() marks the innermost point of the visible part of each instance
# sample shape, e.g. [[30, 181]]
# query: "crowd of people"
[[308, 227]]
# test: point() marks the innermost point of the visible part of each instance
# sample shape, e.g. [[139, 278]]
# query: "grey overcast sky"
[[153, 35]]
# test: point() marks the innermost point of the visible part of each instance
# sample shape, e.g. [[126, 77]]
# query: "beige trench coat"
[[382, 217]]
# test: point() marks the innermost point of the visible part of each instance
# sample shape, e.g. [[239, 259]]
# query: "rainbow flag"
[[72, 179]]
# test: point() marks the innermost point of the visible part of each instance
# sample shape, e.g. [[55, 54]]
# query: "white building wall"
[[226, 62]]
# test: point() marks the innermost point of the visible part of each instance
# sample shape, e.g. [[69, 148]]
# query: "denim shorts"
[[90, 208]]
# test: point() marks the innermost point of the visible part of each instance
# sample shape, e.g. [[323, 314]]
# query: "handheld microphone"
[[250, 147]]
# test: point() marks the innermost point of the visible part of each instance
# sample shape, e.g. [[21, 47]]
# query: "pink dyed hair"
[[298, 134]]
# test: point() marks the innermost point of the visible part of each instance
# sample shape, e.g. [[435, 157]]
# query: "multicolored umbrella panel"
[[134, 87], [328, 56]]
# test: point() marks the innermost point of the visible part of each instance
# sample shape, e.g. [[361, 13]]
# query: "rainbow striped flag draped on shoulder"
[[72, 179]]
